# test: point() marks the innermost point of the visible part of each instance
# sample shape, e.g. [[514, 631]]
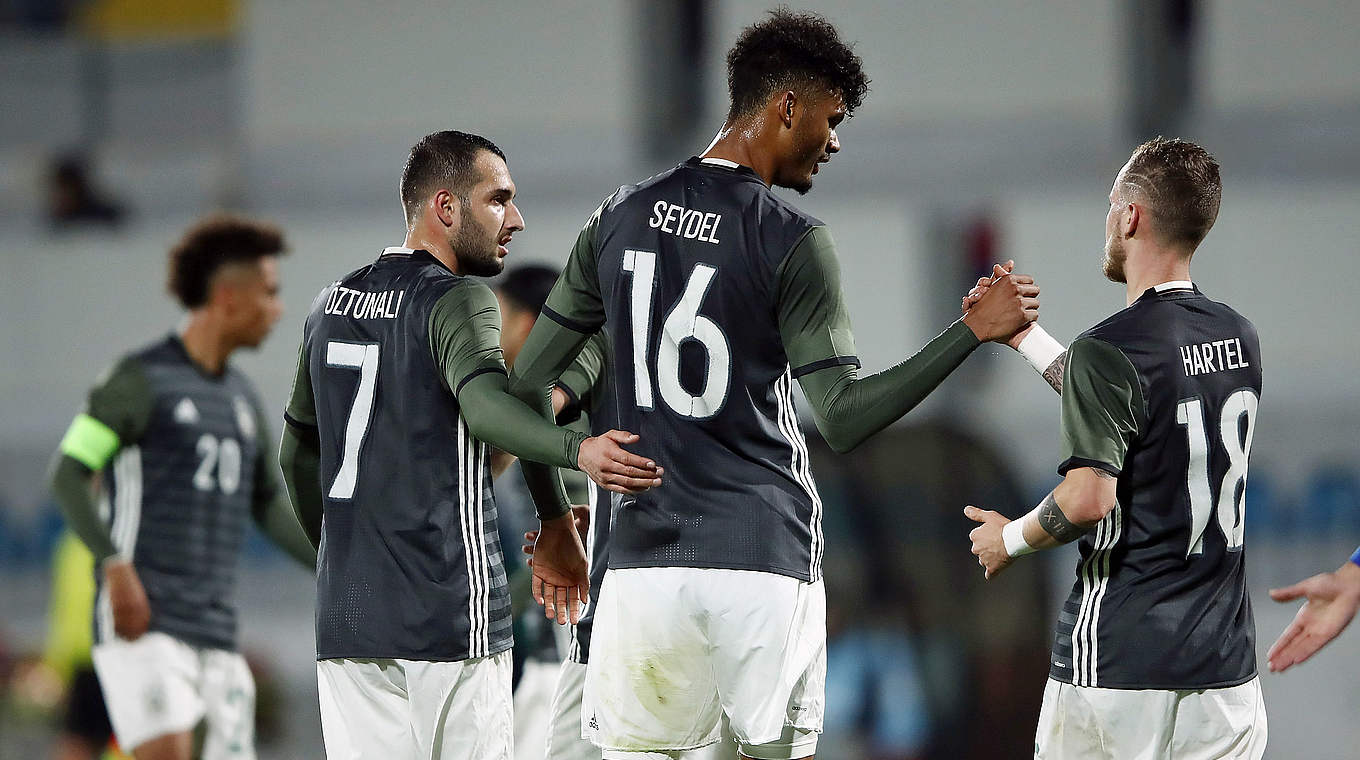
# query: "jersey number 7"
[[682, 323], [363, 357]]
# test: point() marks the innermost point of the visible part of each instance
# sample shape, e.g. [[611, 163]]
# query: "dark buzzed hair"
[[790, 51], [212, 243], [442, 160], [1178, 182], [528, 286]]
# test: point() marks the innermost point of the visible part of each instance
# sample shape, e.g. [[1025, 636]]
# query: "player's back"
[[1160, 600], [409, 564], [688, 266]]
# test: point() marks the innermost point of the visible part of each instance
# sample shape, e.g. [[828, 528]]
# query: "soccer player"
[[400, 388], [1154, 654], [715, 295], [1333, 599], [179, 443]]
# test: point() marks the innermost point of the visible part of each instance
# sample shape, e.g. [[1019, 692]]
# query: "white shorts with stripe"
[[158, 685], [675, 649], [385, 709], [1091, 723]]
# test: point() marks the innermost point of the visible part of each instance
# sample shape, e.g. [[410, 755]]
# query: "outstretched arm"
[[1045, 354], [814, 325], [1333, 599]]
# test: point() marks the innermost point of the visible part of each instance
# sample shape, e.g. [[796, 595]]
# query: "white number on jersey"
[[363, 357], [224, 456], [684, 322], [1231, 505]]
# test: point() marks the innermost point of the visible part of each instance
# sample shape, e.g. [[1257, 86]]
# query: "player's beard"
[[1113, 263], [475, 249]]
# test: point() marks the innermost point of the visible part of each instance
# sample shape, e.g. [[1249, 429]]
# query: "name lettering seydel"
[[687, 223], [346, 302], [1214, 356]]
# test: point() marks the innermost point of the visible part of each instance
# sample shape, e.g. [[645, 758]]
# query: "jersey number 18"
[[1232, 491]]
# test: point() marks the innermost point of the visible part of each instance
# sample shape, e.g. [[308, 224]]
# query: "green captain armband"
[[89, 442]]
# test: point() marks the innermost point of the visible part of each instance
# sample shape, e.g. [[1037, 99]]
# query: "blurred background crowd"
[[992, 131]]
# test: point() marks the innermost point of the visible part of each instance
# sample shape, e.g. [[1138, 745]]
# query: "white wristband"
[[1039, 348], [1013, 536]]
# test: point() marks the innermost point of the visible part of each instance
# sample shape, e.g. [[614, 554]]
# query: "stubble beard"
[[1113, 263], [475, 250]]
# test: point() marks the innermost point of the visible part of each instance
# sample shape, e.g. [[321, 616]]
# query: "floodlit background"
[[993, 131]]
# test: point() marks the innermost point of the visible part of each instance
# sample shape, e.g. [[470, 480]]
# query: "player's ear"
[[446, 207], [1132, 215], [785, 105]]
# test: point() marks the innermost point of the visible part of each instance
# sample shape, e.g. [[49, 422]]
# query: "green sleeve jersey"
[[1102, 406], [117, 412]]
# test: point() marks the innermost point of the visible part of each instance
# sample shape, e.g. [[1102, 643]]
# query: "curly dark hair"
[[212, 243], [442, 160], [790, 51], [1179, 183]]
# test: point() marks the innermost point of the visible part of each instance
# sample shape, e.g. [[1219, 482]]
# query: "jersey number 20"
[[1232, 491], [682, 323]]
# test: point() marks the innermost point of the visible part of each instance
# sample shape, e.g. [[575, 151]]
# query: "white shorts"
[[533, 705], [386, 709], [158, 685], [564, 730], [1150, 724], [676, 648]]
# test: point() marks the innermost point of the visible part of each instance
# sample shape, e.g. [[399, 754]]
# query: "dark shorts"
[[85, 715]]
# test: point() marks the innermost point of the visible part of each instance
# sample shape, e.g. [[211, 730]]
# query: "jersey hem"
[[1072, 463], [1228, 684], [412, 656], [803, 576]]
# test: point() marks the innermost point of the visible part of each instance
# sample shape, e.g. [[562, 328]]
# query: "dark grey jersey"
[[1163, 395], [683, 272], [178, 495], [410, 565]]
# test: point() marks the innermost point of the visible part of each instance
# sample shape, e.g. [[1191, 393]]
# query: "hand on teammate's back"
[[614, 467], [1008, 305], [127, 598]]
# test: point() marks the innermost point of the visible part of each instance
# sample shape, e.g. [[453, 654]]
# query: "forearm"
[[1046, 355], [70, 482], [548, 351], [501, 420], [300, 460], [1067, 513], [282, 525], [849, 409]]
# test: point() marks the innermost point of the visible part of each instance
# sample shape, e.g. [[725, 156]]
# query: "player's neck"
[[1153, 269], [741, 144], [418, 239], [204, 342]]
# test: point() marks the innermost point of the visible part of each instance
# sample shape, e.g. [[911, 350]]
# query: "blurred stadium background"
[[993, 131]]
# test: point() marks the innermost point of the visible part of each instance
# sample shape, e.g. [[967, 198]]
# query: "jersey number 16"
[[682, 323]]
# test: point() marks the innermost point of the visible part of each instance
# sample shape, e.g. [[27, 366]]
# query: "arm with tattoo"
[[1069, 512]]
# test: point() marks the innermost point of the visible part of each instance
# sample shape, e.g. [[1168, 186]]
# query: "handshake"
[[1003, 306]]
